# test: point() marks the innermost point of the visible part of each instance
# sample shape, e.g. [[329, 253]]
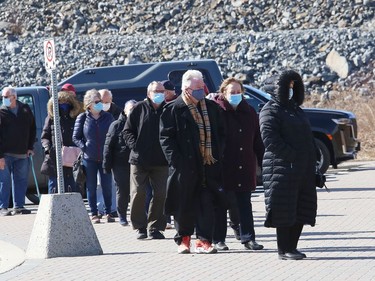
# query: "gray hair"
[[130, 102], [89, 96], [103, 91], [11, 90], [190, 75], [150, 86]]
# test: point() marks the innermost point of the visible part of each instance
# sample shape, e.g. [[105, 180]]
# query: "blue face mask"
[[198, 94], [234, 100], [98, 107], [64, 106], [158, 98], [6, 102]]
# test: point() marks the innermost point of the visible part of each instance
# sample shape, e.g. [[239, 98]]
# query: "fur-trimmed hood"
[[66, 97], [282, 92]]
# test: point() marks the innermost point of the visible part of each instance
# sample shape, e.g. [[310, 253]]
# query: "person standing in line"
[[69, 108], [89, 134], [243, 152], [15, 117], [116, 159], [147, 164], [110, 107], [192, 136], [289, 165]]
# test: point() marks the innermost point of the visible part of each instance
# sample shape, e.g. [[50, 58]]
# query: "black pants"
[[121, 175], [287, 238], [202, 219]]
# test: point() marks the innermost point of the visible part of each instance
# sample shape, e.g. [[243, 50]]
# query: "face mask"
[[158, 98], [6, 102], [198, 94], [290, 93], [98, 107], [234, 100], [64, 106], [106, 106]]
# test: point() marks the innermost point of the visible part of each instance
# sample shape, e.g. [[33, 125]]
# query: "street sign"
[[49, 54]]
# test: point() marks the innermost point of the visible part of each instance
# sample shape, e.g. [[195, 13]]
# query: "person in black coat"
[[288, 165], [69, 108], [192, 136], [115, 158]]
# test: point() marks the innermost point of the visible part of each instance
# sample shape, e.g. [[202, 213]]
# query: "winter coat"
[[89, 134], [115, 110], [116, 152], [141, 133], [67, 120], [290, 158], [243, 147], [179, 138], [17, 133]]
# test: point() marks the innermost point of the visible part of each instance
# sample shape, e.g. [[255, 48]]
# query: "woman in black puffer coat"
[[288, 165]]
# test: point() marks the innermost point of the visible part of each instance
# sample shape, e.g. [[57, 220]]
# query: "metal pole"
[[56, 124]]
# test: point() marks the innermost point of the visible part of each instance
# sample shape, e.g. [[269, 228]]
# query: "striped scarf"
[[204, 126]]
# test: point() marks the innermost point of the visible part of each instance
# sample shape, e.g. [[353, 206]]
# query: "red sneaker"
[[204, 247], [184, 247]]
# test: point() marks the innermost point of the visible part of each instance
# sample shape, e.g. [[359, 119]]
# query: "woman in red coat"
[[243, 152]]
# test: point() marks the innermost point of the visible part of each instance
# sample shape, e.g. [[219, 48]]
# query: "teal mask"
[[6, 102], [98, 107], [158, 98], [234, 100]]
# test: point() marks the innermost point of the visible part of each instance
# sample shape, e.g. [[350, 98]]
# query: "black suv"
[[335, 131]]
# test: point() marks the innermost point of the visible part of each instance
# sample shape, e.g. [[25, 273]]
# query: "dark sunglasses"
[[97, 101]]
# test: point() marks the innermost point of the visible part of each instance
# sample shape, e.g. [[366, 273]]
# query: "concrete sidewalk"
[[340, 247]]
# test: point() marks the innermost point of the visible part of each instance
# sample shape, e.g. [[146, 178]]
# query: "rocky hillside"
[[331, 42]]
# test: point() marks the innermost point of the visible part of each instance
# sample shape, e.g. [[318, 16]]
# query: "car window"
[[253, 102], [28, 99]]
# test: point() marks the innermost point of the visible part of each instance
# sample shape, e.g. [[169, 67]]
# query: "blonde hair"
[[89, 96], [190, 75]]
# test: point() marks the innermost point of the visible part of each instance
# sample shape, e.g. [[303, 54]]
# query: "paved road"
[[340, 247]]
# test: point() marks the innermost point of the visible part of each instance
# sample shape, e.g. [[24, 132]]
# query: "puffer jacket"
[[116, 152], [290, 158], [89, 134]]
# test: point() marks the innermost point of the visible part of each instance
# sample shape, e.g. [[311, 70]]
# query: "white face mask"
[[106, 106], [290, 93]]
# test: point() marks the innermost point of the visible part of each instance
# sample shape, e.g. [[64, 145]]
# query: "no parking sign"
[[49, 54]]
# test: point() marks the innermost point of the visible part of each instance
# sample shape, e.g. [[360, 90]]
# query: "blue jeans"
[[69, 183], [14, 177], [92, 168]]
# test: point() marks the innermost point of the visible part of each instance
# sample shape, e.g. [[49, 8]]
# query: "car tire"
[[33, 198], [323, 156]]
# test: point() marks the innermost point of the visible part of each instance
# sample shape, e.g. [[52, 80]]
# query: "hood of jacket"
[[282, 92], [66, 97]]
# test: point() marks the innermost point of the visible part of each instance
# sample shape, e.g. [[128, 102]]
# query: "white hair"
[[11, 90], [188, 76], [103, 91]]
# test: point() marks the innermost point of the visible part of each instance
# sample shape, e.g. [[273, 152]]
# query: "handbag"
[[69, 155], [320, 179], [79, 173]]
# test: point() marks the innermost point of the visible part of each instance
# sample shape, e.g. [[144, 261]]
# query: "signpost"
[[50, 63]]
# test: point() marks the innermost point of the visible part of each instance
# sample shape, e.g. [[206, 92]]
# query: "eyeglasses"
[[97, 101]]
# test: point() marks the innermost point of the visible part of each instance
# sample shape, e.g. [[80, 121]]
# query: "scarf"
[[204, 126]]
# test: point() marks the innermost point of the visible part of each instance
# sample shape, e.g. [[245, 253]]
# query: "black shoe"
[[290, 256], [236, 232], [252, 245], [23, 211], [114, 214], [5, 212], [141, 233], [221, 246], [299, 253], [156, 234]]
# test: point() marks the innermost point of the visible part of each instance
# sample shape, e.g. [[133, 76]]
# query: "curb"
[[10, 256]]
